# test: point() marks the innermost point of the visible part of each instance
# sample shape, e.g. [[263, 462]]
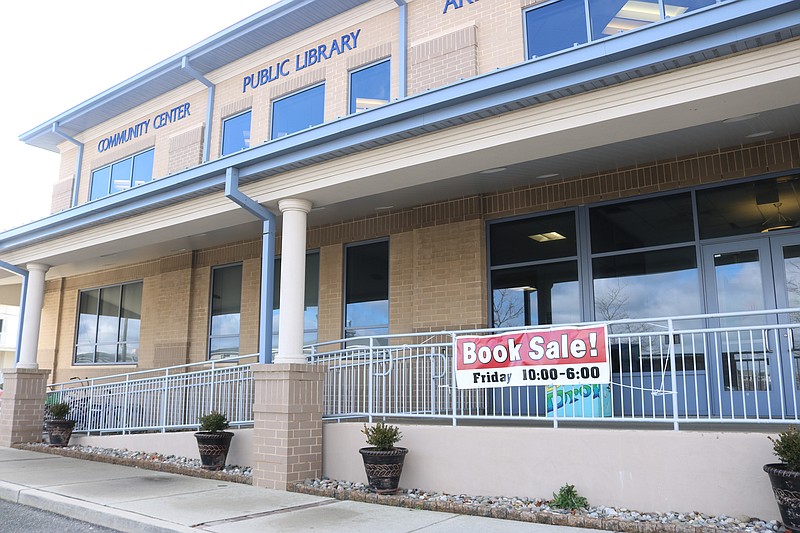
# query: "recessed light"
[[547, 237], [740, 118], [545, 176], [493, 170], [760, 134]]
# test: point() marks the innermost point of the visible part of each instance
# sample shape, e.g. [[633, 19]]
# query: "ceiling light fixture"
[[778, 222], [547, 237], [637, 13], [492, 170], [741, 118], [545, 176], [760, 134]]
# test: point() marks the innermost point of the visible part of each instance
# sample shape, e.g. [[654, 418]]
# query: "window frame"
[[209, 336], [225, 121], [350, 101], [97, 315], [293, 94], [110, 167], [373, 326]]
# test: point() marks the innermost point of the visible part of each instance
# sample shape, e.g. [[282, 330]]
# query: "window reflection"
[[369, 87], [367, 290], [556, 26], [236, 133], [298, 111], [226, 306], [542, 294], [311, 305]]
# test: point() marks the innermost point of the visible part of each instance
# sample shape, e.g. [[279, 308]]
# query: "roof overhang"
[[262, 29], [724, 30]]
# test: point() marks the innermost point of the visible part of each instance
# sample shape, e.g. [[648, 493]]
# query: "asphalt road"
[[16, 518]]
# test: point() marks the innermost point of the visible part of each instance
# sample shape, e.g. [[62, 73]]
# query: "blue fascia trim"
[[723, 24]]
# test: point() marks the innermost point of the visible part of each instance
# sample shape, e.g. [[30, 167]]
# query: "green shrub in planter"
[[213, 422], [58, 411], [382, 436], [785, 476]]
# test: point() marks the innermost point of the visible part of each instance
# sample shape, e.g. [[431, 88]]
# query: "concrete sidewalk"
[[144, 501]]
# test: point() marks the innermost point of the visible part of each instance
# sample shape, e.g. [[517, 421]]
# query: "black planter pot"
[[786, 486], [213, 448], [383, 468], [59, 431]]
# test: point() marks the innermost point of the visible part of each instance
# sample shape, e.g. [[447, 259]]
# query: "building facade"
[[438, 165]]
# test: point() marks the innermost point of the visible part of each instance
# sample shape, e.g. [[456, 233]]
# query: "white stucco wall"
[[647, 470]]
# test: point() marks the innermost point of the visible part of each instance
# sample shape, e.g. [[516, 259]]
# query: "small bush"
[[787, 447], [213, 422], [568, 498], [59, 411], [382, 436]]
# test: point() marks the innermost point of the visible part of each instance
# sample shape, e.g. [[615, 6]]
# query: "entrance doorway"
[[753, 359]]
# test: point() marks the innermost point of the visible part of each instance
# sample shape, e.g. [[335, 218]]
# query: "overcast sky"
[[58, 54]]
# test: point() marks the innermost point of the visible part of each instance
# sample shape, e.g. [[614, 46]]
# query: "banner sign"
[[559, 356]]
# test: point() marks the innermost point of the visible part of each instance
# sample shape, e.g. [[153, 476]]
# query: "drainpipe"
[[402, 60], [77, 183], [210, 105], [267, 259], [23, 298]]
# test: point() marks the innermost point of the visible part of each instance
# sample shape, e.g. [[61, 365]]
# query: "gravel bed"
[[511, 508]]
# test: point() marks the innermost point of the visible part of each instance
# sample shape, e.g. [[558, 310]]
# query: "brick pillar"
[[22, 405], [287, 444]]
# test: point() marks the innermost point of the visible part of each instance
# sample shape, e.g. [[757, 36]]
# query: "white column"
[[33, 316], [293, 280]]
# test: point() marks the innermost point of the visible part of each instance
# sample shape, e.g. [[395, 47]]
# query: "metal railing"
[[725, 367], [741, 367], [160, 400]]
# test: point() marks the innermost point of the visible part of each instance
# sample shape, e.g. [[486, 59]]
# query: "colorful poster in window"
[[557, 356]]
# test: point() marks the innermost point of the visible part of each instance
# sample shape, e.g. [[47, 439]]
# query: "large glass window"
[[311, 304], [370, 86], [746, 208], [367, 290], [535, 271], [226, 308], [562, 24], [555, 26], [298, 111], [122, 175], [109, 321], [236, 133], [642, 223]]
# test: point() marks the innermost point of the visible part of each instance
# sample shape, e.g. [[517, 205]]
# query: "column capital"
[[294, 204], [37, 267]]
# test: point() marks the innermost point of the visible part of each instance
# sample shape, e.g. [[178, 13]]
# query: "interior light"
[[547, 237], [760, 134], [362, 104], [741, 118], [778, 222], [637, 13], [545, 176]]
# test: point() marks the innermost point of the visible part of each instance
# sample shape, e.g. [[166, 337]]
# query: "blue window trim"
[[292, 95], [588, 19], [222, 132], [132, 158], [362, 68]]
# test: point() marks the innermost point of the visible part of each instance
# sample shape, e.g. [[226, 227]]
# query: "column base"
[[288, 424], [22, 406]]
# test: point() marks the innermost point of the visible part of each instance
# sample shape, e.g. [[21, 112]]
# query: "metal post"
[[673, 375]]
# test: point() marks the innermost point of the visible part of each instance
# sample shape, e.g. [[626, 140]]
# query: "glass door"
[[786, 263], [743, 367]]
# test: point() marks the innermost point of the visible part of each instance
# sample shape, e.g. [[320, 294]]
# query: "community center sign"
[[560, 356]]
